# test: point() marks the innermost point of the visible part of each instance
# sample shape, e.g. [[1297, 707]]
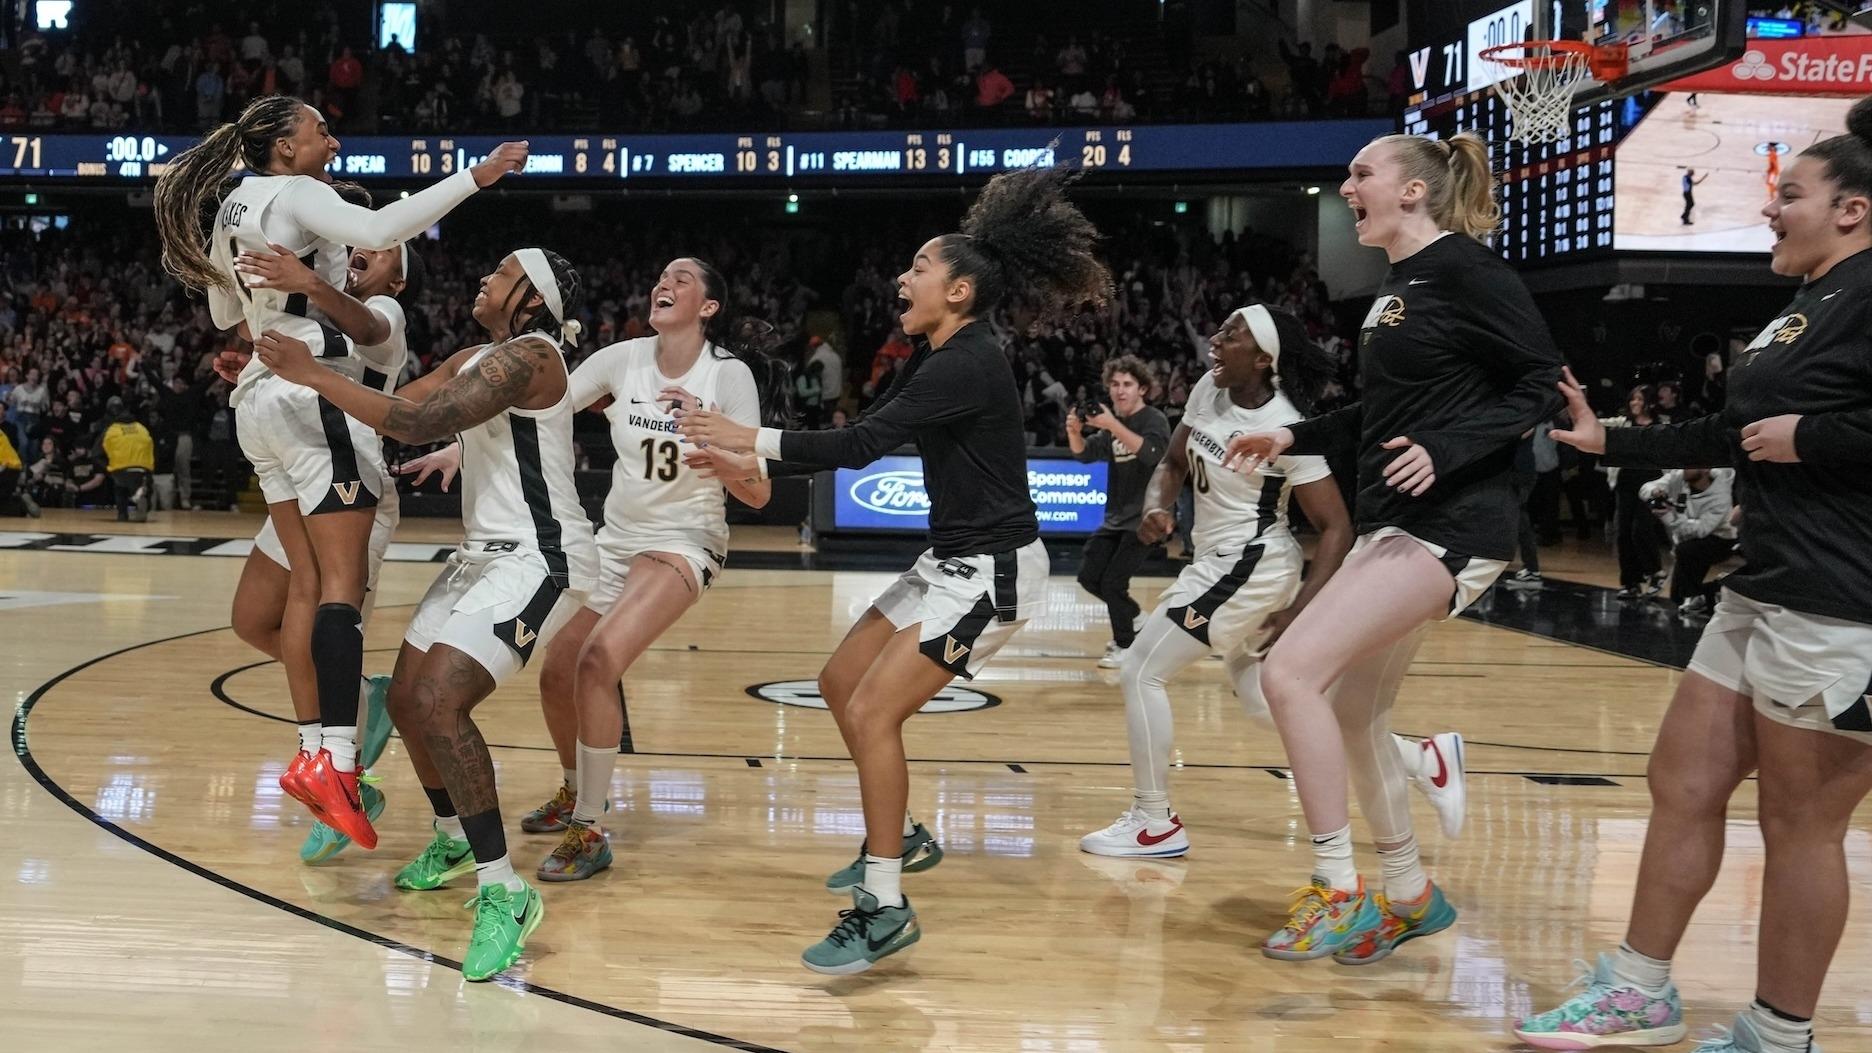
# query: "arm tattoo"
[[498, 381]]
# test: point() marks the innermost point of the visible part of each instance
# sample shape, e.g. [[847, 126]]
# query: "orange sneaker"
[[336, 796], [292, 780]]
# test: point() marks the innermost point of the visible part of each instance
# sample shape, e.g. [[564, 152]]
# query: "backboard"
[[1665, 39]]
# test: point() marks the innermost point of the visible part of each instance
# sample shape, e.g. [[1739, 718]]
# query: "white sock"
[[1778, 1033], [1647, 974], [1332, 859], [909, 825], [1404, 879], [571, 778], [593, 784], [884, 879], [1412, 754], [499, 872], [341, 743], [451, 825], [1153, 803], [310, 734]]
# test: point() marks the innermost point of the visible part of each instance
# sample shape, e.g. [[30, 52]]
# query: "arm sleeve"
[[1502, 333], [938, 393], [1329, 433], [1705, 442], [1154, 429], [738, 396], [1841, 439], [386, 308], [315, 206], [591, 380], [1098, 447]]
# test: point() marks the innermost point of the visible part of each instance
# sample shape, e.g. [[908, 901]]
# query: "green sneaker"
[[500, 934], [864, 934], [444, 860], [920, 852], [583, 852], [377, 724], [324, 842]]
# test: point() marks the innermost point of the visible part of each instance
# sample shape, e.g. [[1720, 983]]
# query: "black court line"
[[47, 783]]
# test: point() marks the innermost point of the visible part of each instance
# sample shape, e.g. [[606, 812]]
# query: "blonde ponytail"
[[192, 186], [1458, 179]]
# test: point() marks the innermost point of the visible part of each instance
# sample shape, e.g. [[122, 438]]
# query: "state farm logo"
[[1753, 66], [897, 493]]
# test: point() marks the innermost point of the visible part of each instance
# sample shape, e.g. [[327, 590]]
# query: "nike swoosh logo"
[[457, 861], [1418, 281], [878, 945], [1441, 778], [1157, 839], [1829, 296], [641, 402]]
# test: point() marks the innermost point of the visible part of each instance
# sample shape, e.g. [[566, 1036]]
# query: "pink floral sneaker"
[[1609, 1012]]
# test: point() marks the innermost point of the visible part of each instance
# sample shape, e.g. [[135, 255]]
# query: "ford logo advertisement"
[[889, 495]]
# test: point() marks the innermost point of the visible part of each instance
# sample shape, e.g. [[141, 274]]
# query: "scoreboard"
[[1556, 198], [751, 157]]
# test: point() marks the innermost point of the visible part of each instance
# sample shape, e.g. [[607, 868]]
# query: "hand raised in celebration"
[[507, 157]]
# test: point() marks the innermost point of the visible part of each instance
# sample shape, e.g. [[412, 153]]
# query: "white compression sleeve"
[[1160, 651], [315, 206]]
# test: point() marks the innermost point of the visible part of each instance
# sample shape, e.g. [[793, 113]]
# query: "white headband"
[[403, 258], [533, 262], [1261, 326]]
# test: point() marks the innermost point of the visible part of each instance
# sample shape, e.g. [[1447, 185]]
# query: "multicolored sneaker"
[[1399, 923], [324, 842], [1137, 834], [443, 860], [1322, 920], [555, 815], [920, 852], [1744, 1038], [377, 723], [864, 934], [583, 852], [1609, 1012], [503, 921]]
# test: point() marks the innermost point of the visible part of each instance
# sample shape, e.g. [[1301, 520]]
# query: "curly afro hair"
[[1022, 240]]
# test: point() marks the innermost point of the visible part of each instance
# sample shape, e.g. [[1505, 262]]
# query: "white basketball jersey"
[[379, 366], [517, 486], [655, 498], [1233, 509]]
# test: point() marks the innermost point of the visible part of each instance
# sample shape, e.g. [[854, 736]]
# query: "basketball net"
[[1537, 82]]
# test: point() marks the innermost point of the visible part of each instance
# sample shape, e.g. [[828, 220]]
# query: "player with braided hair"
[[985, 572]]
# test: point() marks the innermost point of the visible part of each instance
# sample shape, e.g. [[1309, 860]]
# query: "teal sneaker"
[[1742, 1039], [377, 724], [1609, 1012], [444, 860], [1322, 920], [864, 934], [920, 852], [503, 921], [324, 842], [1399, 923], [581, 853]]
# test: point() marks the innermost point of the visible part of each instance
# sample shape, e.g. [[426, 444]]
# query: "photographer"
[[1132, 436], [1694, 505]]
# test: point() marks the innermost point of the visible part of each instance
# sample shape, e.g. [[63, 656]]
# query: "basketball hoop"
[[1538, 79]]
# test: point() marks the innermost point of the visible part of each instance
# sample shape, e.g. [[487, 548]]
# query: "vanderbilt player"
[[527, 561], [1244, 585]]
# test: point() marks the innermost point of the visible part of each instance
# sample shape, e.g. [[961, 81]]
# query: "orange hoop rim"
[[1606, 61]]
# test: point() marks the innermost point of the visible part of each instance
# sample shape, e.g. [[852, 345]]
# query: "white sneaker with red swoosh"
[[1436, 765], [1137, 834]]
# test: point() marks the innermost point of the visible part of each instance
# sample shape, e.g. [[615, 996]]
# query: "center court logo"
[[894, 493], [805, 694]]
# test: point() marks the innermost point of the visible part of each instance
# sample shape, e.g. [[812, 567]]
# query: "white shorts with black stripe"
[[383, 528], [1224, 597], [495, 603], [966, 607], [614, 560], [1804, 670], [304, 448], [1473, 574]]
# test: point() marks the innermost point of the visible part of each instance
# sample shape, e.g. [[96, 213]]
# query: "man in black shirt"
[[1133, 437]]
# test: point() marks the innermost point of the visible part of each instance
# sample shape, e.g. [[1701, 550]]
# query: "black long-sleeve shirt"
[[1455, 357], [959, 404], [1807, 527], [1131, 470]]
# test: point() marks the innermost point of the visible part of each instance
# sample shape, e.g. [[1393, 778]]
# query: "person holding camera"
[[1132, 436], [1695, 505]]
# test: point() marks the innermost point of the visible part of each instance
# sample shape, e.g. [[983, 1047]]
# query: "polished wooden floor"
[[181, 919]]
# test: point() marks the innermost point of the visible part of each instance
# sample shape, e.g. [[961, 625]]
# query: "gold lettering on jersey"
[[1192, 620], [1791, 329], [953, 650], [523, 635], [1386, 310], [347, 492], [1783, 330]]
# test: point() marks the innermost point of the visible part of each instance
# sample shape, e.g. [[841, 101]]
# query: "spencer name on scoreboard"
[[729, 156]]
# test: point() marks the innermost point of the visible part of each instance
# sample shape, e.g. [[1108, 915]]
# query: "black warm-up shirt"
[[1453, 356], [1806, 529], [1131, 470], [961, 407]]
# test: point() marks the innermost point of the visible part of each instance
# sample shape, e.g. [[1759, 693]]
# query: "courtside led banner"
[[889, 495], [1827, 65]]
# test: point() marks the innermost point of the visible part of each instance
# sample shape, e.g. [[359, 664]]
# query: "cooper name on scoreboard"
[[747, 156]]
